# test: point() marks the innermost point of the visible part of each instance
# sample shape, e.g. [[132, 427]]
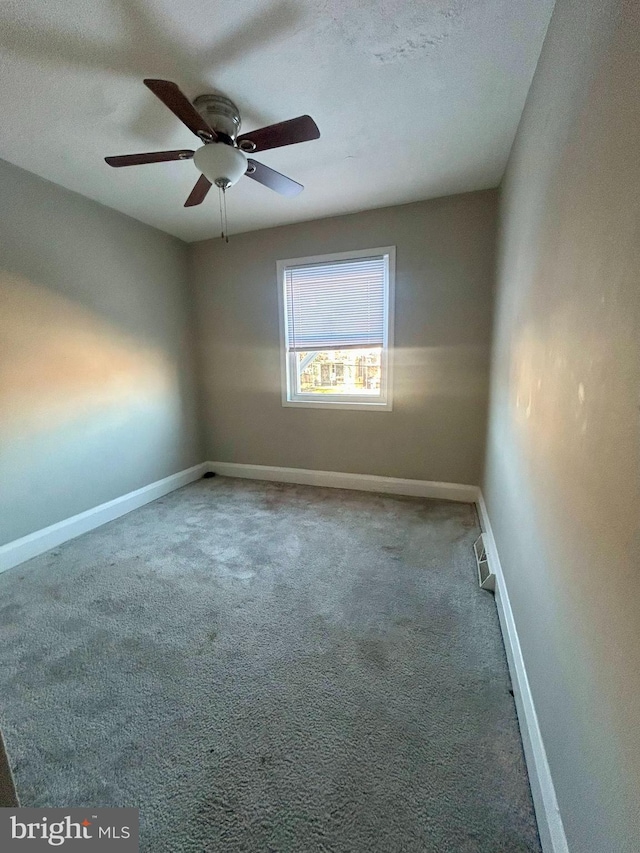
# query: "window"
[[336, 315]]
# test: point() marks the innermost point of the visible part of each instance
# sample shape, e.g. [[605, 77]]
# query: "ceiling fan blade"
[[152, 157], [300, 129], [180, 106], [272, 179], [199, 192]]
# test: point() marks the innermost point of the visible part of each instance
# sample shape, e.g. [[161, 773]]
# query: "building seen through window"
[[347, 371]]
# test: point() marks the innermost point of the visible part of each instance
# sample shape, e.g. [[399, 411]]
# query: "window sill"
[[338, 404]]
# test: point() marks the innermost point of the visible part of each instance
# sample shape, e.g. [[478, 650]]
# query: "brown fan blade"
[[199, 192], [153, 157], [180, 106], [300, 129], [272, 179]]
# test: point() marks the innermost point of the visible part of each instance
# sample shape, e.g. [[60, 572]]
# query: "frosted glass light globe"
[[222, 164]]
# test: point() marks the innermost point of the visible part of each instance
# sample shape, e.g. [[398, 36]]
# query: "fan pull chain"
[[221, 219], [226, 227]]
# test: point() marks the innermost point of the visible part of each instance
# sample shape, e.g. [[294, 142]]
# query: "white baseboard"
[[550, 827], [338, 480], [16, 552]]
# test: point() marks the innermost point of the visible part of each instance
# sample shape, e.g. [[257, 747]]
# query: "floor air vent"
[[486, 577]]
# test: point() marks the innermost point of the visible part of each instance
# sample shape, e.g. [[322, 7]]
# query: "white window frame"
[[379, 403]]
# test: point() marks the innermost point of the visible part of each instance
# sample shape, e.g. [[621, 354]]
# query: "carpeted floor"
[[264, 667]]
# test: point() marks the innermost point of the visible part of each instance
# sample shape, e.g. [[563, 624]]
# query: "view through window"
[[347, 371]]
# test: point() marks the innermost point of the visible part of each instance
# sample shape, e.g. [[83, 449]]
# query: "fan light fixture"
[[223, 160], [222, 164]]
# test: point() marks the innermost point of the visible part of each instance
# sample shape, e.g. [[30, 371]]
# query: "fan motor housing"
[[220, 113]]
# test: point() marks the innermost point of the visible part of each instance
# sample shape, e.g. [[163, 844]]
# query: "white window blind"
[[336, 304]]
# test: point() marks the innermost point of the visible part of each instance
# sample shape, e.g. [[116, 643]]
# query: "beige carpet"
[[264, 667]]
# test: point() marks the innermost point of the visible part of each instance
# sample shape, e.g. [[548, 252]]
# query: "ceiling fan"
[[223, 159]]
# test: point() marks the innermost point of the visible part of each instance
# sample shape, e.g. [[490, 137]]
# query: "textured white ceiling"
[[414, 98]]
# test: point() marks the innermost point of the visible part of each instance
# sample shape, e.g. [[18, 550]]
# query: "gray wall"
[[445, 269], [96, 379], [563, 458]]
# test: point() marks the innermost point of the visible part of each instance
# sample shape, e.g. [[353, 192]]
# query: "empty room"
[[320, 426]]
